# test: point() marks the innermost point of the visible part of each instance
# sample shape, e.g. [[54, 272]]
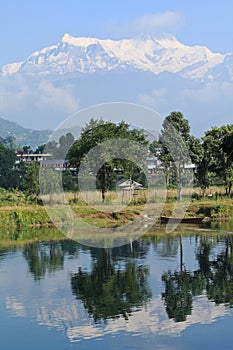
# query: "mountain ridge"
[[85, 55], [23, 136]]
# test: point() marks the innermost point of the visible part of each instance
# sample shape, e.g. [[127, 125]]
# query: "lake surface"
[[163, 292]]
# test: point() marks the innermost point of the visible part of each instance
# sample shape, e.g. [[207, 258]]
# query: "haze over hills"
[[33, 138], [23, 136], [157, 72]]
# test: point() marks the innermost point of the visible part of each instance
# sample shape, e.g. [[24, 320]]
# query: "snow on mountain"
[[90, 55], [11, 68], [224, 70]]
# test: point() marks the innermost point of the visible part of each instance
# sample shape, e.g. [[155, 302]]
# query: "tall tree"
[[174, 140], [228, 145], [7, 163], [217, 162], [58, 150], [30, 182], [99, 132]]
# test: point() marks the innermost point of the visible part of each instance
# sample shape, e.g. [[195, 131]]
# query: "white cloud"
[[42, 103], [156, 99], [54, 98], [152, 320], [14, 94], [150, 23], [38, 103], [159, 21], [210, 92], [204, 105]]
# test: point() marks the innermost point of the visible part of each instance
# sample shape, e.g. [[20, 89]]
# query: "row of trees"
[[23, 176], [212, 155], [176, 147]]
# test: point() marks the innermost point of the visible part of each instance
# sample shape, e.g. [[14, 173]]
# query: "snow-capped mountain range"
[[156, 72], [156, 55]]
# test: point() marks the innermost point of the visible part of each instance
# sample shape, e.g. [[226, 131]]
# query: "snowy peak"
[[81, 41], [11, 68], [144, 53]]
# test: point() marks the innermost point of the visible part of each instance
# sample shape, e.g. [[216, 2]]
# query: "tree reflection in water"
[[6, 250], [180, 288], [110, 290], [48, 256], [219, 286], [214, 278], [118, 281]]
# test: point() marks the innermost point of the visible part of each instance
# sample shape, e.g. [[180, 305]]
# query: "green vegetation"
[[57, 149], [19, 217], [216, 165], [20, 199], [100, 132], [174, 146], [8, 177], [228, 145], [212, 155], [18, 237]]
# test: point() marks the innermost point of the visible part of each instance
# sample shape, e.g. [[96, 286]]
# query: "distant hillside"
[[23, 136]]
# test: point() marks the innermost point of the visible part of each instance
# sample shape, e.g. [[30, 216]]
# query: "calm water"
[[171, 292]]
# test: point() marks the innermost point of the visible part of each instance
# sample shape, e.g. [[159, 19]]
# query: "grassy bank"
[[23, 216], [215, 209], [19, 211], [13, 239], [19, 237]]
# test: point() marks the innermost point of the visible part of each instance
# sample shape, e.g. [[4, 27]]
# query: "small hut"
[[131, 187]]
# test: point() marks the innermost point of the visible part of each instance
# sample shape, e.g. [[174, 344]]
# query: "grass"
[[18, 211], [18, 214], [16, 237], [24, 216]]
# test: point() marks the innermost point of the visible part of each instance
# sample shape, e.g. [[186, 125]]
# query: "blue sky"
[[27, 26], [30, 25]]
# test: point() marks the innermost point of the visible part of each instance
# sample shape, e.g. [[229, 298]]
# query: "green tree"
[[26, 149], [7, 167], [51, 147], [216, 162], [174, 140], [228, 145], [30, 182], [155, 146], [58, 150], [196, 151], [65, 142], [98, 132], [70, 183], [40, 149]]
